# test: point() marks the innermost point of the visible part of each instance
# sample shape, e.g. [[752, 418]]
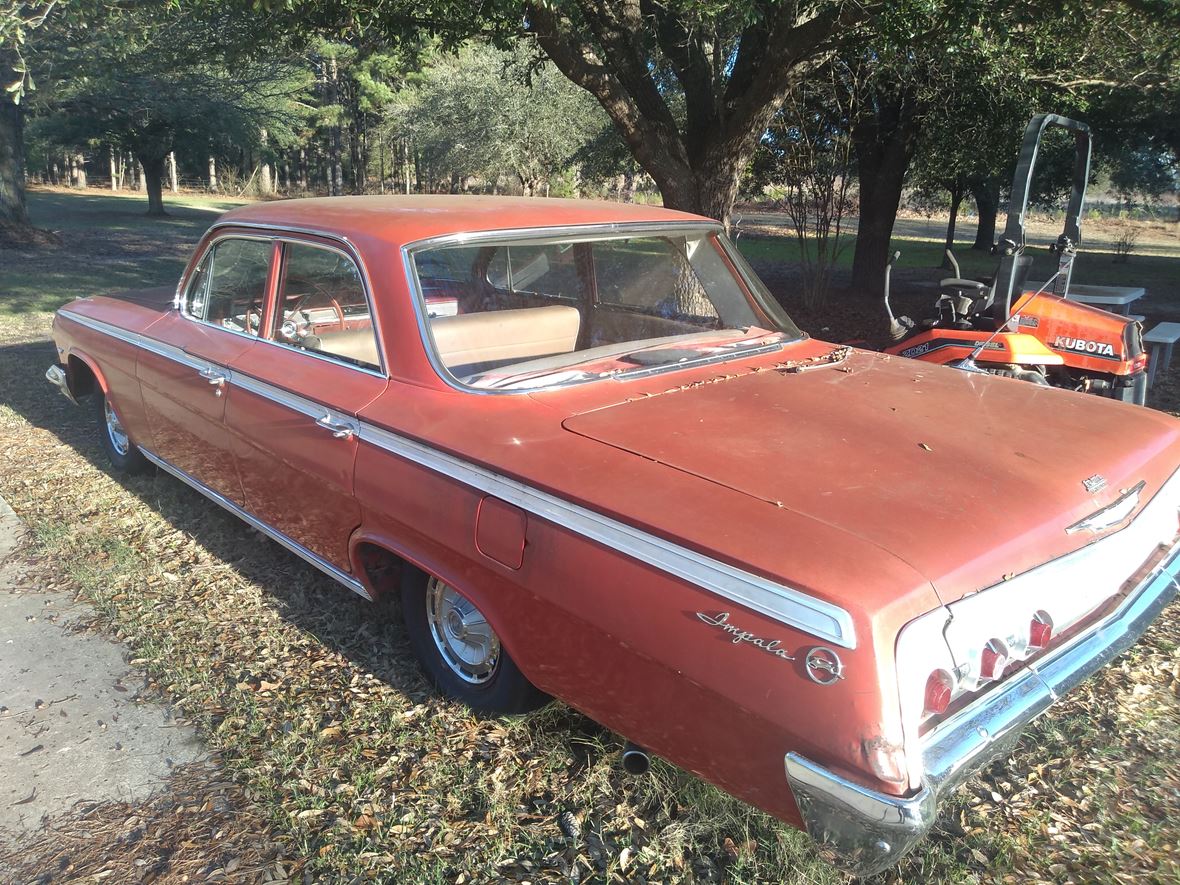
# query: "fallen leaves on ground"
[[198, 828]]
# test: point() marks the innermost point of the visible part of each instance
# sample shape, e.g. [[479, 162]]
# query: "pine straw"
[[198, 829], [313, 702]]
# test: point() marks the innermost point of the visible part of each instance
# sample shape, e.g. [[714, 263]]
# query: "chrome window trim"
[[349, 251], [779, 602], [254, 522], [600, 231], [179, 302]]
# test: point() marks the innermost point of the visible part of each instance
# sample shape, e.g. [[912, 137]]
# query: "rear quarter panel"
[[620, 639]]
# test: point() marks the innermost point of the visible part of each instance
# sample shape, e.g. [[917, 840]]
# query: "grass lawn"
[[312, 702], [108, 243], [921, 260]]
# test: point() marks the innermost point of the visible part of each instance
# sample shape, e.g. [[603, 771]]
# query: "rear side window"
[[229, 286], [322, 306]]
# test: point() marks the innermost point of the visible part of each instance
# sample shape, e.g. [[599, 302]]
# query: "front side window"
[[322, 306], [229, 286], [538, 312]]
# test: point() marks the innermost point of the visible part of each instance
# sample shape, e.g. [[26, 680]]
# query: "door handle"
[[339, 429], [214, 377]]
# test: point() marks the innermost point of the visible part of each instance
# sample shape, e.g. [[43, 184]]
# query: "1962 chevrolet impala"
[[598, 462]]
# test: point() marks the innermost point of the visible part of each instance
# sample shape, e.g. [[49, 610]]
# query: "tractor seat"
[[953, 283]]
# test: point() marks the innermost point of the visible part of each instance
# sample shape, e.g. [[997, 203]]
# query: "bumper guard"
[[56, 376]]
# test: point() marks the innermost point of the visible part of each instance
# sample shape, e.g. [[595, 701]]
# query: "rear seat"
[[472, 341]]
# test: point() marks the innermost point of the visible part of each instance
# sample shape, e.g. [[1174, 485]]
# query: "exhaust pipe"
[[635, 759]]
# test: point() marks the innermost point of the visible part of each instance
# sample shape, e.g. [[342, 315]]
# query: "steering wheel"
[[253, 319], [301, 300]]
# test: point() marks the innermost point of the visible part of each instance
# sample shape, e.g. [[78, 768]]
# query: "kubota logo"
[[1081, 345]]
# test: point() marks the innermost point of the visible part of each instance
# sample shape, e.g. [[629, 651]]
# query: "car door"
[[292, 417], [183, 368]]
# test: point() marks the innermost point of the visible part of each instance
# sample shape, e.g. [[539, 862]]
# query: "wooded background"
[[829, 107]]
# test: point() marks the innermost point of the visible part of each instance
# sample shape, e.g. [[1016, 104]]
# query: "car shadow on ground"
[[368, 634]]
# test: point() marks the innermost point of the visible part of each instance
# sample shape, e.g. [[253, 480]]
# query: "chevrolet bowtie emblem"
[[1112, 514]]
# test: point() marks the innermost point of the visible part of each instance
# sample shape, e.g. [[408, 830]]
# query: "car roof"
[[405, 219]]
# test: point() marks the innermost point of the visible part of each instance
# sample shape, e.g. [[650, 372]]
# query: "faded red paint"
[[882, 485]]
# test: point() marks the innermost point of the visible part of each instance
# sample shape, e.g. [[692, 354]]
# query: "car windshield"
[[541, 311]]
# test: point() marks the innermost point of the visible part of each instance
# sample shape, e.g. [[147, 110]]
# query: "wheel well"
[[82, 380], [381, 569]]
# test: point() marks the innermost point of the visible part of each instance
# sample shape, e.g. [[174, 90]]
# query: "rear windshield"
[[536, 312]]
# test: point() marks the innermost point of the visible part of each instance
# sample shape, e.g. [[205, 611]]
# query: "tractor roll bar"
[[1012, 243]]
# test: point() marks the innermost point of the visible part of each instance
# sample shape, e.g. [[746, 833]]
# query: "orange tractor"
[[1038, 335]]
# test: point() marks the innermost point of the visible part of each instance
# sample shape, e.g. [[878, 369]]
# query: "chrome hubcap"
[[463, 636], [115, 431]]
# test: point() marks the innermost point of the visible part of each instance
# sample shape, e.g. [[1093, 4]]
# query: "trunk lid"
[[966, 478]]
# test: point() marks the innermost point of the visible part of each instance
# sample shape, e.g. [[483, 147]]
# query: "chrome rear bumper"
[[56, 376], [863, 831]]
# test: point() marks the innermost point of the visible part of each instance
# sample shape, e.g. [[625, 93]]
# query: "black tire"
[[124, 455], [503, 690]]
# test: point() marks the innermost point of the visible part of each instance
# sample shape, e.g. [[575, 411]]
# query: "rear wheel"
[[460, 652], [124, 455]]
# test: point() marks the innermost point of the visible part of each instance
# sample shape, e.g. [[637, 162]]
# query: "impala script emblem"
[[770, 646]]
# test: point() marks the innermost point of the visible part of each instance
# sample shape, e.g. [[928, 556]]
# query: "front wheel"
[[124, 455], [460, 652]]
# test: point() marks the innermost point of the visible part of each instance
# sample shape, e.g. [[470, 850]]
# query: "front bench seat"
[[359, 345]]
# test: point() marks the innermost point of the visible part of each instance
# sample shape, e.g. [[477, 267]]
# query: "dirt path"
[[73, 724], [99, 777]]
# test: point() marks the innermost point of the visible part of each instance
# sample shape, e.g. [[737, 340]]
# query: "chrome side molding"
[[777, 601]]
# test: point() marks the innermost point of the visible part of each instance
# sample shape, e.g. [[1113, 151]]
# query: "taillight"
[[939, 689], [993, 660], [1040, 631]]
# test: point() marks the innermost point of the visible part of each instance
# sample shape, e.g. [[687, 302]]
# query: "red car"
[[599, 462]]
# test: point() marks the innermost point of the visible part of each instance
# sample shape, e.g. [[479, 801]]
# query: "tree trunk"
[[381, 180], [12, 164], [114, 169], [949, 242], [335, 166], [884, 140], [151, 171], [213, 174], [79, 170], [172, 178], [141, 184], [986, 192], [266, 171]]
